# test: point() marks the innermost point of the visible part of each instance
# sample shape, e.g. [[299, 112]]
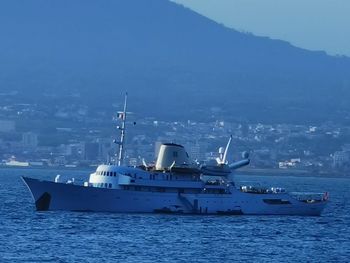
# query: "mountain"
[[173, 61]]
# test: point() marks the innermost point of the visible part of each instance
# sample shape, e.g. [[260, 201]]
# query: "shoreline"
[[48, 168], [244, 171], [286, 172]]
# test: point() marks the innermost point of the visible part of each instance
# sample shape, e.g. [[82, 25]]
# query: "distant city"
[[74, 136]]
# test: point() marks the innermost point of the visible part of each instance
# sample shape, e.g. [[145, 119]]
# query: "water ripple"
[[29, 236]]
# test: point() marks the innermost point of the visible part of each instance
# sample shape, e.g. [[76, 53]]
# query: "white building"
[[29, 140], [341, 158]]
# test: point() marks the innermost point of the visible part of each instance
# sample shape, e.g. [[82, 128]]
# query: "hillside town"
[[74, 136]]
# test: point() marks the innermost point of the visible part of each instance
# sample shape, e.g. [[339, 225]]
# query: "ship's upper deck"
[[116, 177]]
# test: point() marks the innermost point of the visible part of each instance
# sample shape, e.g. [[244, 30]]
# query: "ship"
[[174, 184]]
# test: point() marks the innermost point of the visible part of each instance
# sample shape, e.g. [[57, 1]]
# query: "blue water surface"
[[30, 236]]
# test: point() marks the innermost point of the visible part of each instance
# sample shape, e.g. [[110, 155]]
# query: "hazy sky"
[[311, 24]]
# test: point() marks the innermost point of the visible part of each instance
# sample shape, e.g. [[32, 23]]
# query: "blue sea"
[[30, 236]]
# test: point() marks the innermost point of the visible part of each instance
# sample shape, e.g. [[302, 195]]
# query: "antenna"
[[223, 153], [226, 150], [122, 116]]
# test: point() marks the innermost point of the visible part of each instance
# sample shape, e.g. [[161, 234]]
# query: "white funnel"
[[171, 155]]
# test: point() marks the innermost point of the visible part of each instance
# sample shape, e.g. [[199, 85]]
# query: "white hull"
[[60, 196]]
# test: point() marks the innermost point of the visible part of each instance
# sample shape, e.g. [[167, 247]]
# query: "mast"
[[122, 116], [226, 150]]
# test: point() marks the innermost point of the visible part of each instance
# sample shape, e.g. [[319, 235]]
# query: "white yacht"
[[173, 184]]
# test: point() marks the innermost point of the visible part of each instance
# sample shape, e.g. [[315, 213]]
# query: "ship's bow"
[[40, 195]]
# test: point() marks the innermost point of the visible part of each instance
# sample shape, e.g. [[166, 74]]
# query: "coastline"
[[243, 171], [48, 168], [290, 172]]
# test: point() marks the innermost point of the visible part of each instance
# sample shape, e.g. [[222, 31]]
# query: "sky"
[[310, 24]]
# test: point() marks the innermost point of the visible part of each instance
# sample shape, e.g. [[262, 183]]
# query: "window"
[[110, 185], [175, 154], [106, 185]]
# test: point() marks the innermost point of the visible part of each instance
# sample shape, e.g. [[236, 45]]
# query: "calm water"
[[30, 236]]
